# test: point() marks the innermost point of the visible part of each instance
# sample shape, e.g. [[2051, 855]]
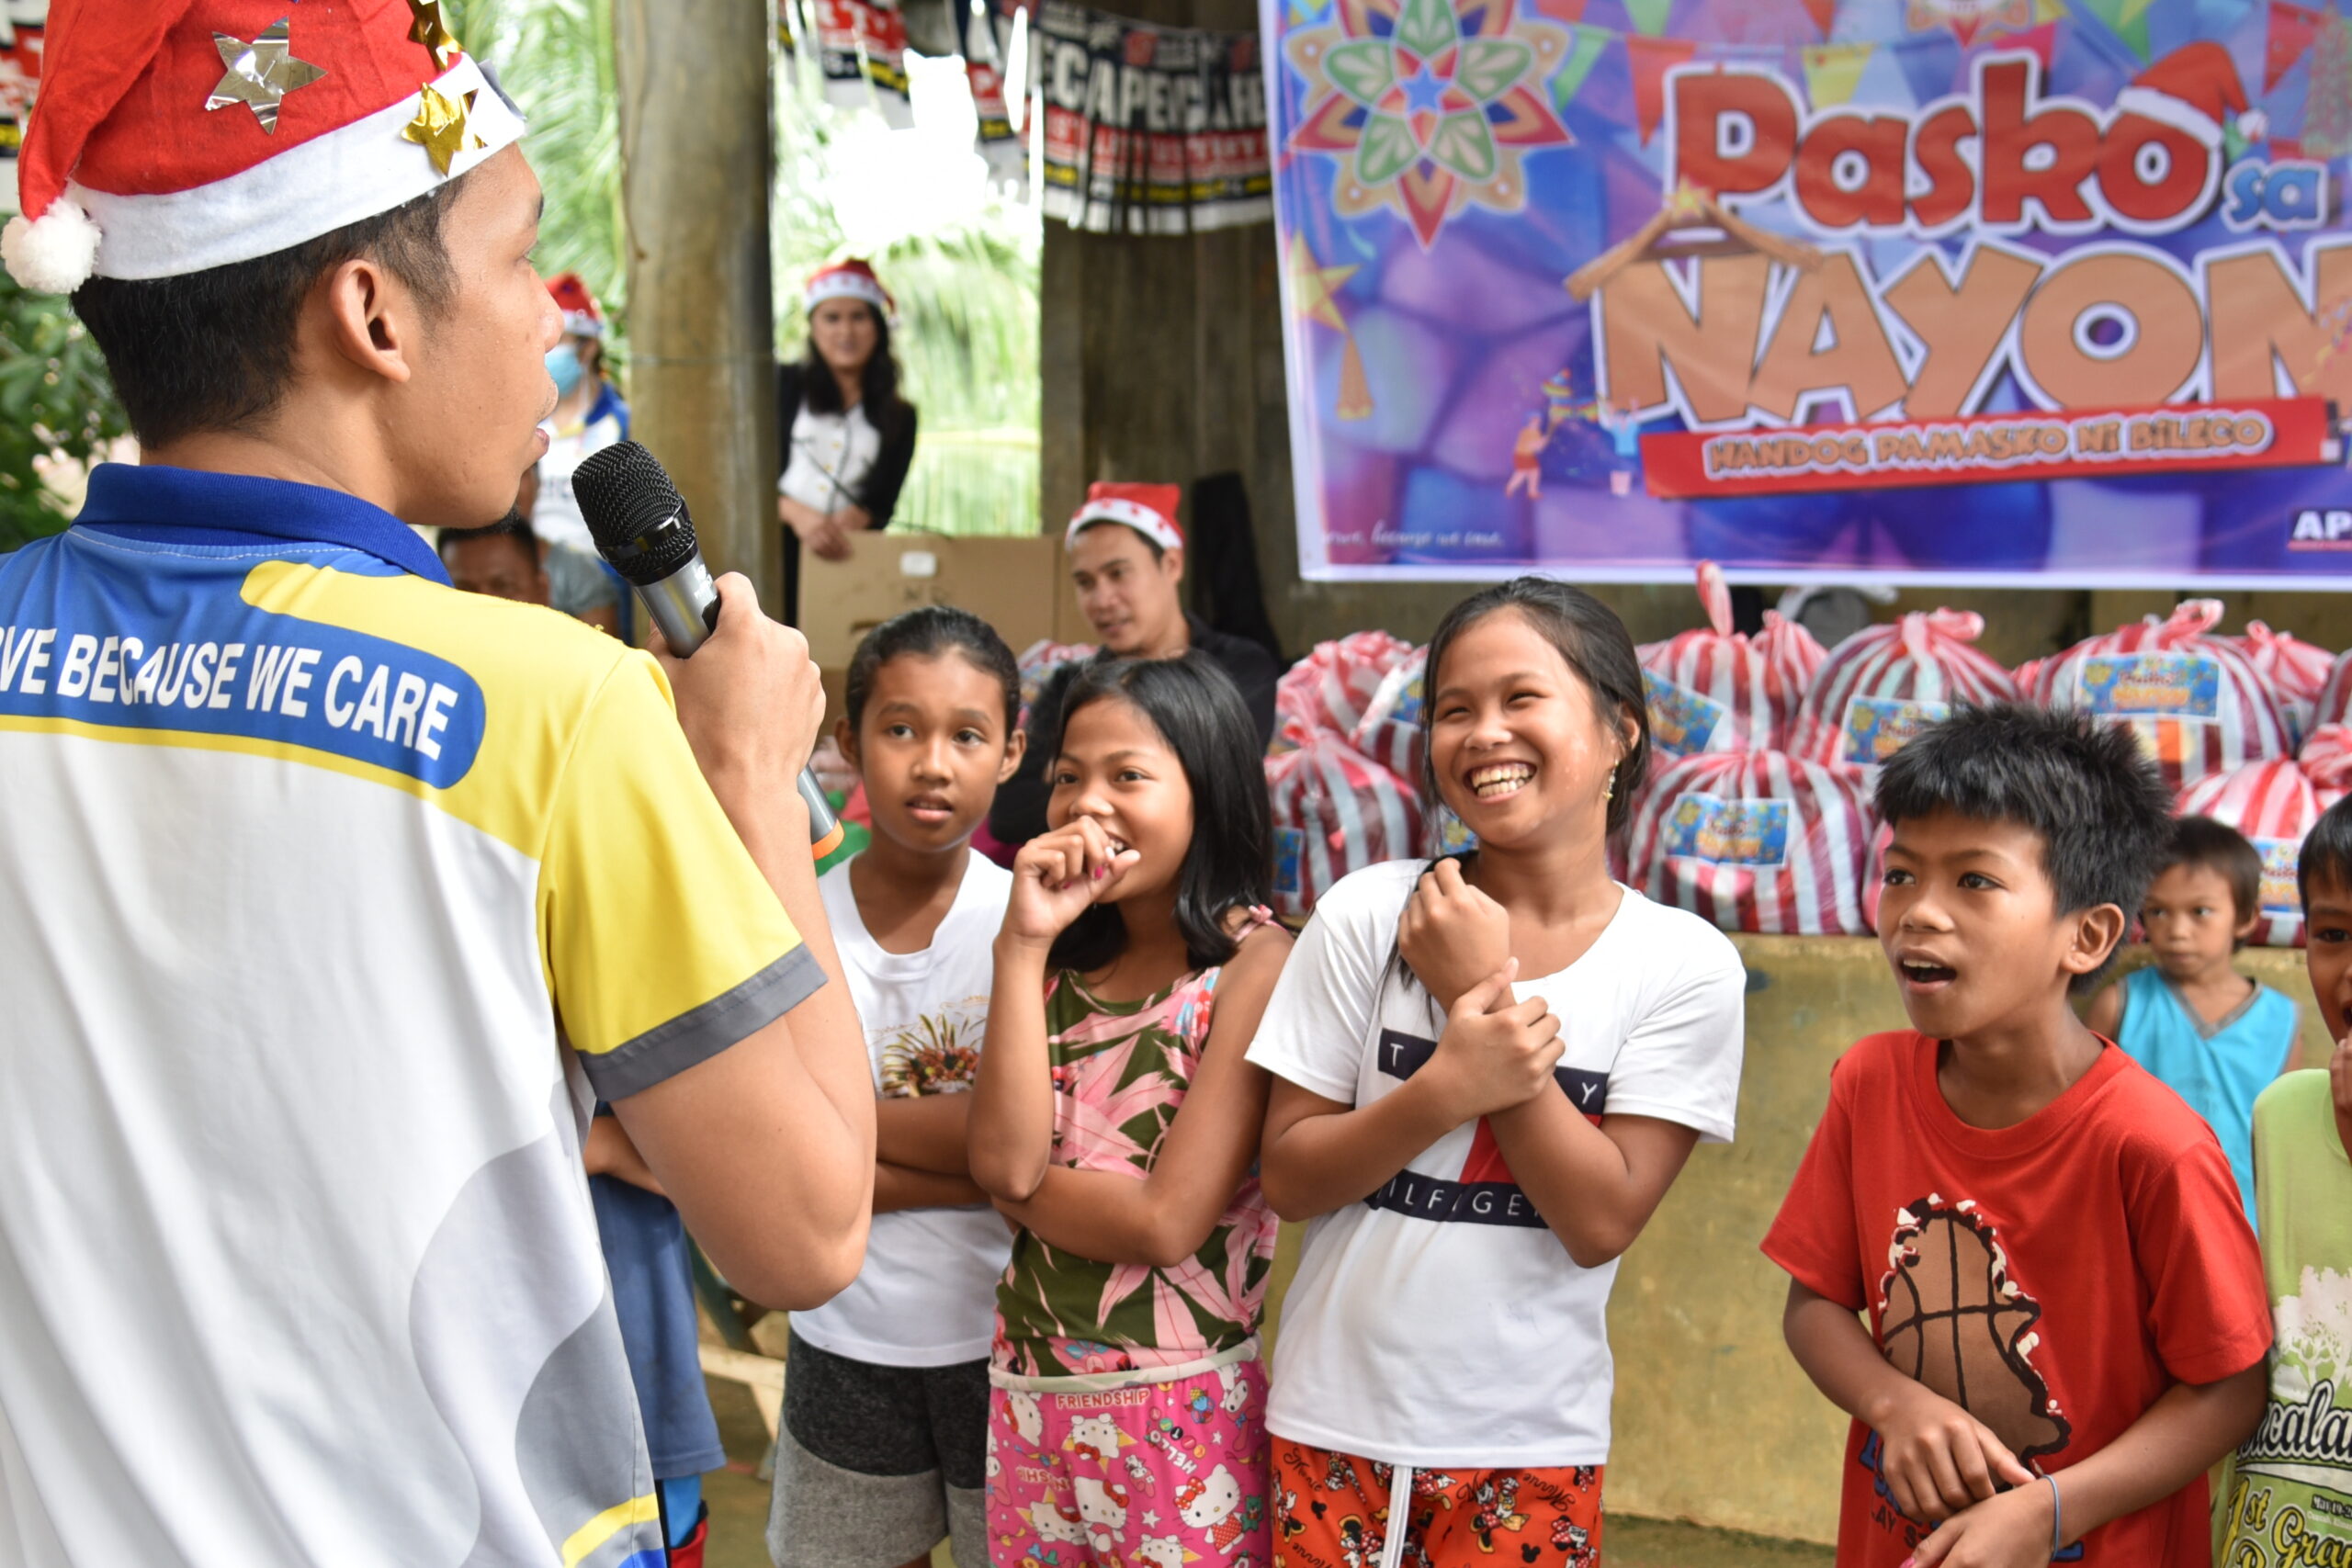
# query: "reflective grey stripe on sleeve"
[[673, 1047]]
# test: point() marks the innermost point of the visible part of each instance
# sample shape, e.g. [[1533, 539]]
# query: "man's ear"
[[1014, 750], [1172, 563], [2098, 931], [370, 318]]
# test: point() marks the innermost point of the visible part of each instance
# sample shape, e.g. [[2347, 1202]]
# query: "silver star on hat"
[[260, 74]]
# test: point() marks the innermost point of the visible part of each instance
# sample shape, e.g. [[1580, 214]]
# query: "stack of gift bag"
[[1757, 812]]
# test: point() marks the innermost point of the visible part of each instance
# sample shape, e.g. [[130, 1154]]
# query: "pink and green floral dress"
[[1121, 1070]]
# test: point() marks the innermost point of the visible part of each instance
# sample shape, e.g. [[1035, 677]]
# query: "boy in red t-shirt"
[[2068, 1318]]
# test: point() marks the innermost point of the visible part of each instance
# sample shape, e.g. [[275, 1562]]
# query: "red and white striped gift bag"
[[2296, 671], [1881, 686], [2326, 761], [1037, 664], [1335, 811], [1756, 841], [1792, 656], [2274, 805], [1710, 689], [1391, 731], [2196, 703], [2334, 704], [1331, 687]]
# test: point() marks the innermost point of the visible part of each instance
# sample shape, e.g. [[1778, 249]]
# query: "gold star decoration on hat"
[[440, 126], [431, 31], [260, 74]]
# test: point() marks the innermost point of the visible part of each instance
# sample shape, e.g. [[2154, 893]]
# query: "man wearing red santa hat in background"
[[1126, 560], [307, 853]]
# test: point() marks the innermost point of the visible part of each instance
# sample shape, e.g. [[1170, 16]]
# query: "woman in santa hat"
[[847, 436]]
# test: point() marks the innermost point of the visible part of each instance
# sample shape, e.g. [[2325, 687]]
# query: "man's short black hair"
[[2328, 852], [2217, 847], [2082, 783], [1154, 546], [214, 350], [513, 526]]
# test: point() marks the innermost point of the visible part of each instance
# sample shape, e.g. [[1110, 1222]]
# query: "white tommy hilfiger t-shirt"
[[1440, 1322], [926, 1296]]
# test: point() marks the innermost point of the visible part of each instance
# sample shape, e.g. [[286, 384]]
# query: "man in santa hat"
[[1126, 560], [307, 855]]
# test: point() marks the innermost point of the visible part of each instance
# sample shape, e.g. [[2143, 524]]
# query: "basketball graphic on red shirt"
[[1951, 1317]]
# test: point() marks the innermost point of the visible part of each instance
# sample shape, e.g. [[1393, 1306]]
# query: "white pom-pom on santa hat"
[[2195, 90], [2254, 125], [55, 253]]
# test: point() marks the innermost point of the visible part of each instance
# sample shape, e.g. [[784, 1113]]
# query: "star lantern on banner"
[[1430, 106], [431, 31], [260, 74], [440, 126], [1966, 19], [1314, 296]]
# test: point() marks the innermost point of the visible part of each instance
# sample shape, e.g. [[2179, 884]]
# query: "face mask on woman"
[[563, 364]]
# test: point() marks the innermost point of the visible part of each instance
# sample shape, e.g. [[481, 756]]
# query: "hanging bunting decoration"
[[1314, 296], [1569, 12], [1148, 130], [1583, 56], [2327, 105], [1648, 16], [1967, 19], [2041, 41], [986, 34], [2291, 29], [1833, 71], [1650, 59], [1824, 14], [861, 52]]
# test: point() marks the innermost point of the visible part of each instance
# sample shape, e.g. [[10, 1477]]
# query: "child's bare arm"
[[896, 1188], [1320, 1155], [1937, 1459], [930, 1132], [1012, 1115], [1162, 1218], [2176, 1440], [608, 1152]]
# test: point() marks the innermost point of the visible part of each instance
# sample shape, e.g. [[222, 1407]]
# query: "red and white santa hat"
[[581, 316], [175, 136], [850, 279], [1149, 510], [2197, 89]]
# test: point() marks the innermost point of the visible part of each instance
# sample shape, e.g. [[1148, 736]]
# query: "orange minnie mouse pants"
[[1331, 1511]]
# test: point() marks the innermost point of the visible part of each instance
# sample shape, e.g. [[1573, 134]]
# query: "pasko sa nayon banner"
[[1990, 292]]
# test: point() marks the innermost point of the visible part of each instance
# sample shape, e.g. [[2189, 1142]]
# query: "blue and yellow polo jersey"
[[304, 859]]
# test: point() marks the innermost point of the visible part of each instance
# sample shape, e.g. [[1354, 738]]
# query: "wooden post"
[[694, 125]]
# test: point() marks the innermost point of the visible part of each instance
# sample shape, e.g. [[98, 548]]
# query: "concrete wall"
[[1715, 1423]]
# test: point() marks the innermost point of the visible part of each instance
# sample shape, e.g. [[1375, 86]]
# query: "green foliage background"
[[966, 335], [54, 397]]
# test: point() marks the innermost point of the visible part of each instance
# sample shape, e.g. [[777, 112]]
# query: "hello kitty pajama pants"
[[1154, 1475]]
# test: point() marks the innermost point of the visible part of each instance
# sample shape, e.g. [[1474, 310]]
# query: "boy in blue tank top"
[[2211, 1035]]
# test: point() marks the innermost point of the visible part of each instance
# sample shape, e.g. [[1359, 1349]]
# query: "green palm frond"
[[968, 295], [555, 58]]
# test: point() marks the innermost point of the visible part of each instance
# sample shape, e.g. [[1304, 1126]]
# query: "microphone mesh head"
[[623, 494]]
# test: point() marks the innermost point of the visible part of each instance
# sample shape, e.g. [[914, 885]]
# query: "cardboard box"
[[1017, 585]]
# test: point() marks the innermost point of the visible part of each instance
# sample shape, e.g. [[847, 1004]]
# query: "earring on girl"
[[1609, 791]]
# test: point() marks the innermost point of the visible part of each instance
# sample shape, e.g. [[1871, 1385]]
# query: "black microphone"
[[640, 523]]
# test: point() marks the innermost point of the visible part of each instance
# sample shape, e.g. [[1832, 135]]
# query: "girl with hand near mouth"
[[1115, 1121], [1486, 1074], [886, 1386]]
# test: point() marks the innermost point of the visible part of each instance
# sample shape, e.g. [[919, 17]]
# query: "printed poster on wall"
[[22, 26], [2033, 292]]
